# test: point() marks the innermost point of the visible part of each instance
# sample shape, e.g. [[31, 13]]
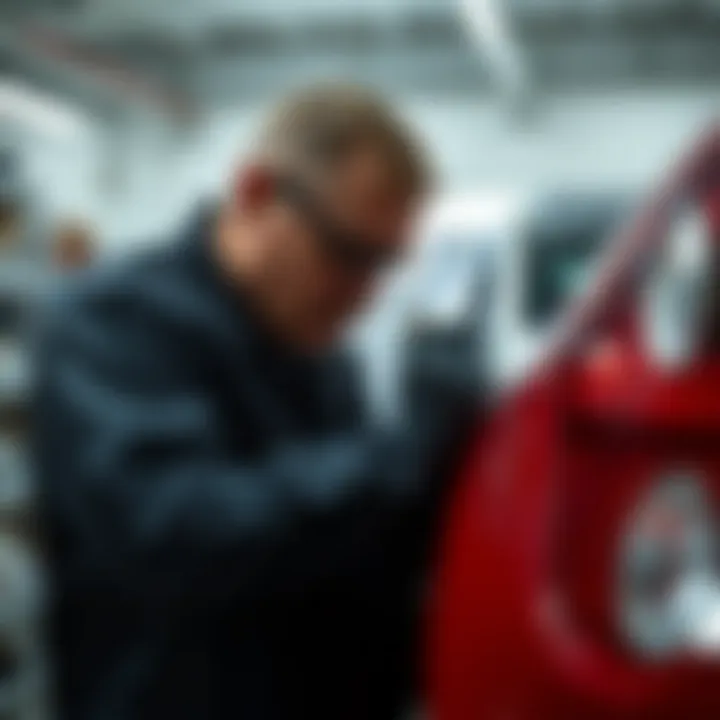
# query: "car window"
[[560, 257], [555, 276]]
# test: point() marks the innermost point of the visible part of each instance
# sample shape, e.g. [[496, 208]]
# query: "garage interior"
[[118, 117]]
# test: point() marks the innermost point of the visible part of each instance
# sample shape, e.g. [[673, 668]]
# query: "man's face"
[[322, 248]]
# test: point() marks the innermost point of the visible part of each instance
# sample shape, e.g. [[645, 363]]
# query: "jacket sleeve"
[[143, 501]]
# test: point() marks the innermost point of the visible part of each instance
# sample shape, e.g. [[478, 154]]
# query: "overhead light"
[[40, 112], [491, 32]]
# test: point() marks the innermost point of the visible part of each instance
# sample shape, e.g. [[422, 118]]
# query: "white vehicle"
[[504, 263]]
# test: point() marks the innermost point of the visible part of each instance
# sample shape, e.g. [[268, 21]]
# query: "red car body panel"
[[522, 620]]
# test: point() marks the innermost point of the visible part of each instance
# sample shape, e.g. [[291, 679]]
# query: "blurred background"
[[118, 116], [120, 113]]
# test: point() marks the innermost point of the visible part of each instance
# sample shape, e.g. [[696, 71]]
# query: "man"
[[228, 536]]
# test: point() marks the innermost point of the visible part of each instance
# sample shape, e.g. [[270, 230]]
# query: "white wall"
[[615, 138]]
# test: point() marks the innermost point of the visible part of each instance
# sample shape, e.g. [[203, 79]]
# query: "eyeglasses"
[[350, 250]]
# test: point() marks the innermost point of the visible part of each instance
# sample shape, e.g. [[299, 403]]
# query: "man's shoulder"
[[114, 289], [144, 303]]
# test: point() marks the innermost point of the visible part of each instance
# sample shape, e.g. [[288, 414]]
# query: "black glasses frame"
[[353, 251]]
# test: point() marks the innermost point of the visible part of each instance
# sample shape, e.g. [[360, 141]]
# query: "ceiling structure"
[[170, 56]]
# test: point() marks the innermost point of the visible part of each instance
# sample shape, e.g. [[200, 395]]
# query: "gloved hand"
[[442, 378], [443, 393], [443, 374], [443, 385]]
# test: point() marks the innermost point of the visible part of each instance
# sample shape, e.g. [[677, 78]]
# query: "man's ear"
[[254, 187]]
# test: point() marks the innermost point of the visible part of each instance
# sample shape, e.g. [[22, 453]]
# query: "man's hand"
[[443, 372], [443, 393]]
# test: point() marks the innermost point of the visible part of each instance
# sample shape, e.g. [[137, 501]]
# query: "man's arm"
[[150, 507]]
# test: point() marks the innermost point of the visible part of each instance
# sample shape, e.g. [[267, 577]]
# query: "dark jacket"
[[227, 537]]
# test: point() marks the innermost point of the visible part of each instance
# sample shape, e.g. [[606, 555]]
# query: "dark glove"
[[442, 387], [443, 374], [444, 379]]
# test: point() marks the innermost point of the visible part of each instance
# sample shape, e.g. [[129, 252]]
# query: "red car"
[[578, 576]]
